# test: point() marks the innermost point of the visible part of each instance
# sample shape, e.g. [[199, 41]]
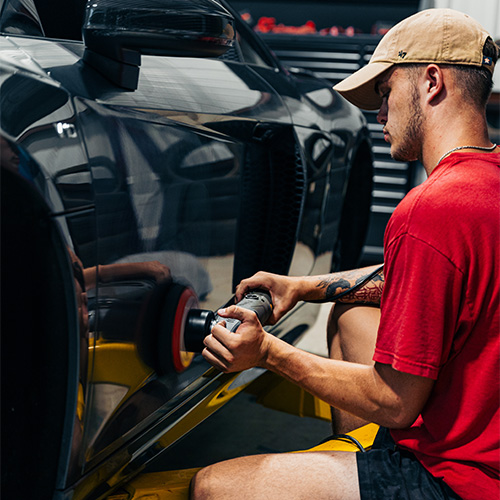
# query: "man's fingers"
[[214, 360], [259, 280], [216, 342], [238, 313], [241, 290], [216, 352]]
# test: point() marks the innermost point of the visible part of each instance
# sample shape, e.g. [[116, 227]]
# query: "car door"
[[183, 192]]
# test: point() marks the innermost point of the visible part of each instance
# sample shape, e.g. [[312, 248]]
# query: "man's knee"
[[318, 475], [202, 485], [224, 480]]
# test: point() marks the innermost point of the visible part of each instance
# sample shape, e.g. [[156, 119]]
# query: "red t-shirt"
[[440, 319]]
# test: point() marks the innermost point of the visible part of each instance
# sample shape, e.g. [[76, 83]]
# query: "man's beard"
[[410, 148]]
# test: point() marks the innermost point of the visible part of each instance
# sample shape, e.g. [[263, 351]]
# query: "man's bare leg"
[[318, 475], [352, 331]]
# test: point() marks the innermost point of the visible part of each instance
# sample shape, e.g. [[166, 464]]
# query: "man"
[[434, 378]]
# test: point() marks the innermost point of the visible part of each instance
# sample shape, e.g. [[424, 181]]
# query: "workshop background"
[[335, 38]]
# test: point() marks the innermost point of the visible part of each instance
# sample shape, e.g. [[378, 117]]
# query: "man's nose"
[[382, 114]]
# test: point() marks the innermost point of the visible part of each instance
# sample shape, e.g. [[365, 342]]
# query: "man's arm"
[[360, 286], [366, 284], [375, 393]]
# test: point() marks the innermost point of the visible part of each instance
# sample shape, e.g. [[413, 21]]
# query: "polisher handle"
[[257, 301], [200, 322]]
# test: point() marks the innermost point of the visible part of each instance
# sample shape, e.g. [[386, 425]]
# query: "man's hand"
[[284, 290], [245, 348]]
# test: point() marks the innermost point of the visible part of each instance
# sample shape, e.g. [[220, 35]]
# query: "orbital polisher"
[[172, 329], [199, 322]]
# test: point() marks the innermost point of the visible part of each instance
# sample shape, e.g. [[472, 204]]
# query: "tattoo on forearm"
[[336, 286], [368, 294]]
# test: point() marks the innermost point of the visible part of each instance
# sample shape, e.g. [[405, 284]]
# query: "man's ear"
[[434, 83]]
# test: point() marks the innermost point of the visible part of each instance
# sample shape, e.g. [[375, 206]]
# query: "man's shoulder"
[[444, 211], [463, 185]]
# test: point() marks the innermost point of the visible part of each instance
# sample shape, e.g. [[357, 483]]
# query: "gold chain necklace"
[[482, 148]]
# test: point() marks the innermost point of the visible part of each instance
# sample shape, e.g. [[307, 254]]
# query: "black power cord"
[[358, 285], [344, 437]]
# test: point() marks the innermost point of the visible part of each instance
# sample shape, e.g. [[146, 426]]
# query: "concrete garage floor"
[[244, 427]]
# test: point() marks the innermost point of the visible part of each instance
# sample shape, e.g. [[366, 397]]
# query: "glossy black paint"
[[211, 170]]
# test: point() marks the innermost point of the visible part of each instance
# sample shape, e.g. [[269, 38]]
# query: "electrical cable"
[[344, 437], [358, 285]]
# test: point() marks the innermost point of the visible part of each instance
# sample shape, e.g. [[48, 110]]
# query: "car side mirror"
[[117, 33]]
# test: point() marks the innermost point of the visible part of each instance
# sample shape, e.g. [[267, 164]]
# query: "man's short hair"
[[476, 83]]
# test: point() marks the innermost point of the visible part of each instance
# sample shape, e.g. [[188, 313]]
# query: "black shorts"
[[386, 472]]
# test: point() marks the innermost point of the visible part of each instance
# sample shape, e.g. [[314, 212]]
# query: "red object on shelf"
[[268, 25], [265, 24]]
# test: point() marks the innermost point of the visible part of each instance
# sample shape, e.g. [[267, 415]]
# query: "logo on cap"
[[402, 54], [487, 60]]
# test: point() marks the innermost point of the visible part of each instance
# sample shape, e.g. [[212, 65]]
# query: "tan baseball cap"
[[443, 36]]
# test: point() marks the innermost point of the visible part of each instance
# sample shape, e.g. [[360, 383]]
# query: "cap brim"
[[359, 88]]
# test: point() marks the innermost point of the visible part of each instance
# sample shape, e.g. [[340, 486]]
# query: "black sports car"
[[147, 167]]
